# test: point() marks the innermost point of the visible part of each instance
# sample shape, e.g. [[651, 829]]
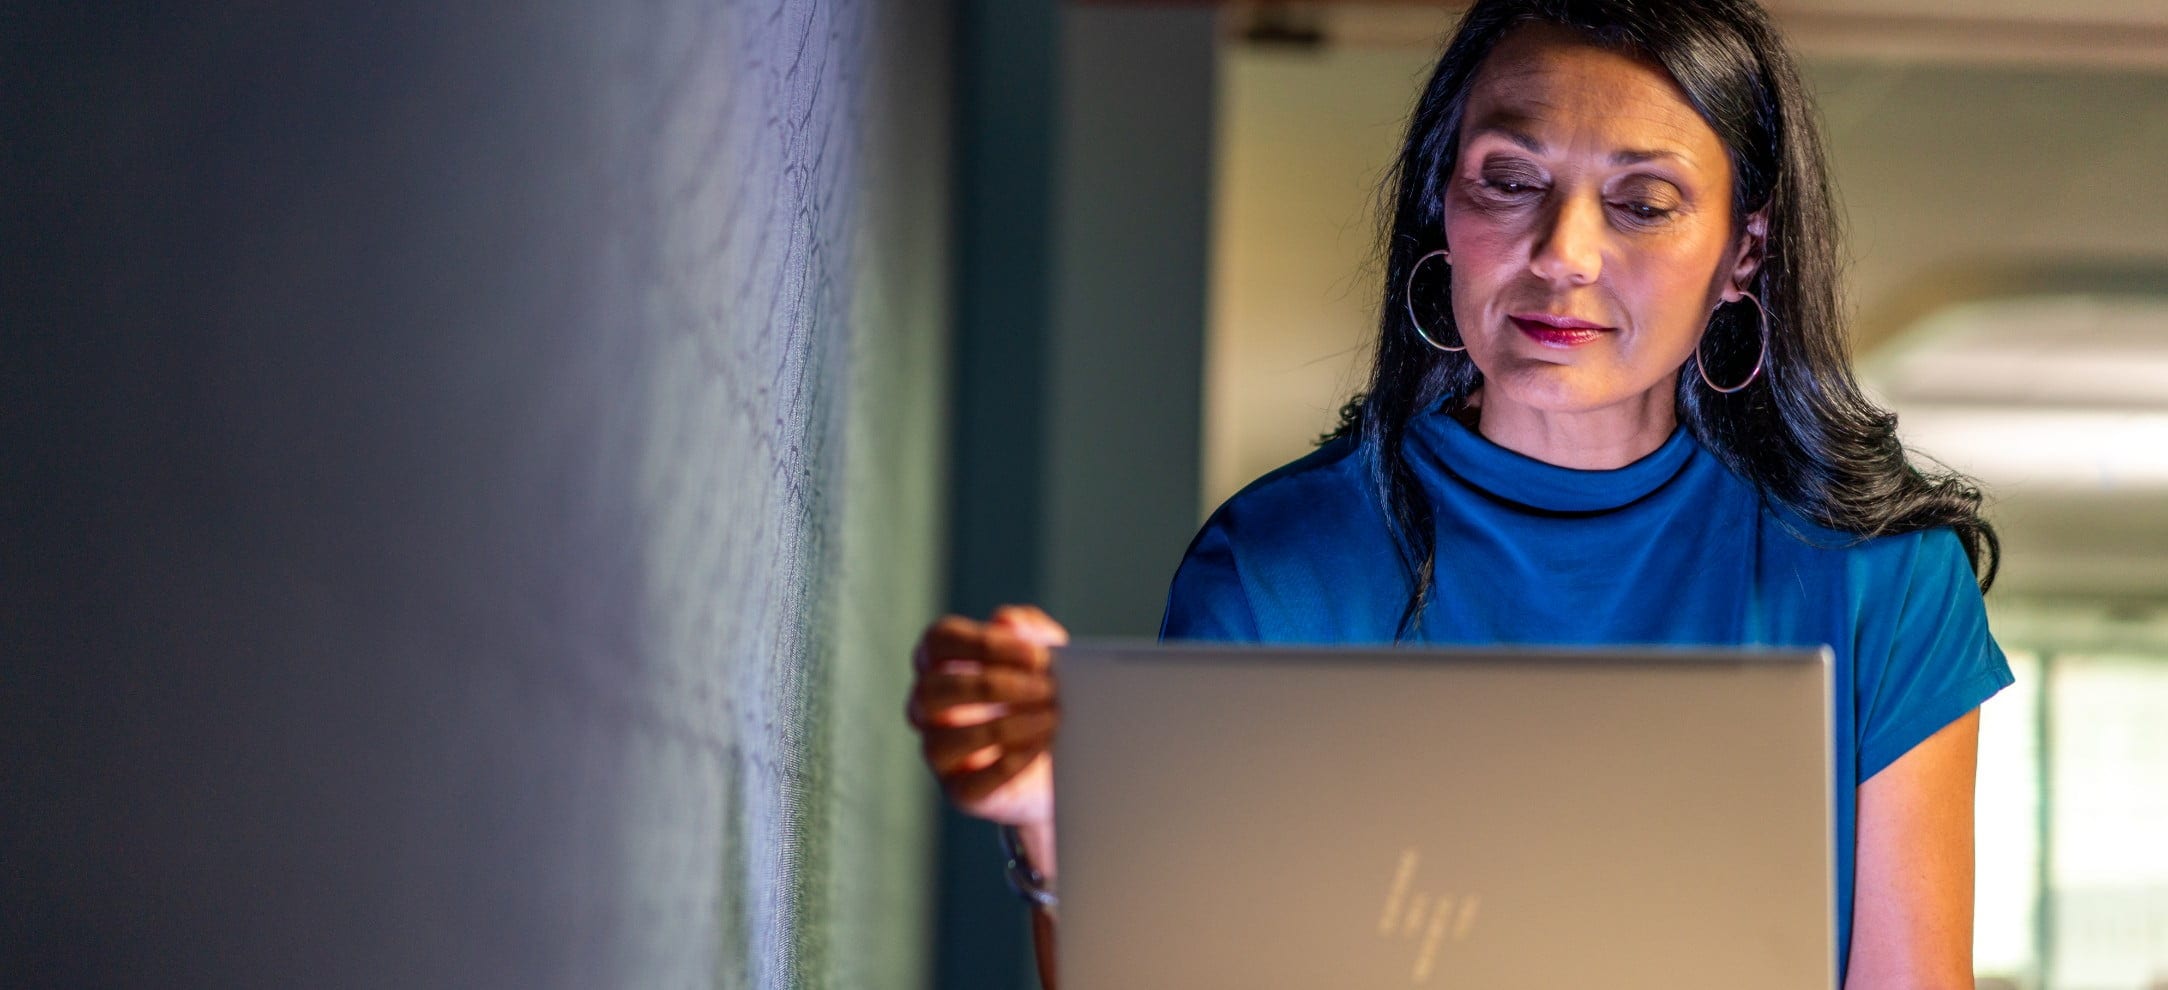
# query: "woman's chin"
[[1558, 389]]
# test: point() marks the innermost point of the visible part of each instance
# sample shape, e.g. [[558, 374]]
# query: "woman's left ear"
[[1752, 247]]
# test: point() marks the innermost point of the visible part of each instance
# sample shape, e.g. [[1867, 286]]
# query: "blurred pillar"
[[1084, 139]]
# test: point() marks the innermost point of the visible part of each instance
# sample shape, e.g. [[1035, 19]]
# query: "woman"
[[1611, 403]]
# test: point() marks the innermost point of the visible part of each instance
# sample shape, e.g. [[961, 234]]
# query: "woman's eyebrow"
[[1623, 156], [1517, 137], [1635, 156]]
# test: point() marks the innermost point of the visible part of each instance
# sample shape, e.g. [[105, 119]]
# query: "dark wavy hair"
[[1803, 433]]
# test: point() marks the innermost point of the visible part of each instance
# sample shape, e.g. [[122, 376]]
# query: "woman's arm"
[[1042, 946], [1912, 894]]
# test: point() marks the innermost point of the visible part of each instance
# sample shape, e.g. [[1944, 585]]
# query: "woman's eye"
[[1645, 211], [1506, 186]]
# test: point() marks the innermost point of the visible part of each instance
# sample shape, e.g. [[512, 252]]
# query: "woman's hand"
[[983, 703]]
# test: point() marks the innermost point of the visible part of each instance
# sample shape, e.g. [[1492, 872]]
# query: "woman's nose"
[[1568, 248]]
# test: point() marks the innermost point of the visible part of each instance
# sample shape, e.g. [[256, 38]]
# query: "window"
[[2073, 803]]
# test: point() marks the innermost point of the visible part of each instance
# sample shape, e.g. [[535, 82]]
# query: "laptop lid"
[[1258, 817]]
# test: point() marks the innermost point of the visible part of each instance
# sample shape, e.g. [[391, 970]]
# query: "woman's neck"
[[1590, 440]]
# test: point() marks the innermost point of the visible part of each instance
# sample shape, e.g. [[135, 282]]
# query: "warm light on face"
[[1589, 219]]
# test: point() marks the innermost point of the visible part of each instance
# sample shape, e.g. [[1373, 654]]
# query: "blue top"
[[1671, 549]]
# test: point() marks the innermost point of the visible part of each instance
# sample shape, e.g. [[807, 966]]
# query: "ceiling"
[[2124, 35], [2058, 406]]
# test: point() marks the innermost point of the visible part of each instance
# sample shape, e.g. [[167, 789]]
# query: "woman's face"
[[1589, 223]]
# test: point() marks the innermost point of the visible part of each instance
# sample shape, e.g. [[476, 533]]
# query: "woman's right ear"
[[1753, 246]]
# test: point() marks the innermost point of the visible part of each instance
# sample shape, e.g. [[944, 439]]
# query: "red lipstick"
[[1557, 331]]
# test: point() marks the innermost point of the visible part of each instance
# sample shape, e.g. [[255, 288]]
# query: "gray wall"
[[470, 474]]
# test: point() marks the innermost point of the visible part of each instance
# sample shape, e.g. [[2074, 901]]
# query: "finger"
[[953, 716], [1033, 623], [944, 687], [947, 750], [1009, 646], [975, 785], [951, 637], [1056, 634], [957, 716], [979, 759], [946, 746], [922, 709], [954, 637]]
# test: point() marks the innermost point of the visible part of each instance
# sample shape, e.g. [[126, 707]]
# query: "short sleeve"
[[1207, 600], [1925, 656]]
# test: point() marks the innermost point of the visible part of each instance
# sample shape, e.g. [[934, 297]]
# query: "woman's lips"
[[1558, 331]]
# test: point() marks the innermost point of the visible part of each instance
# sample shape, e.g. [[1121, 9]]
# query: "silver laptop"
[[1264, 817]]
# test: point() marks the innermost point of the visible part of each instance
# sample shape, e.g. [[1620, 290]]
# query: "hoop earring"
[[1409, 299], [1759, 359]]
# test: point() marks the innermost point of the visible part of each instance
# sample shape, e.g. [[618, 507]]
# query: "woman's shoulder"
[[1921, 651], [1324, 494], [1337, 461], [1885, 562], [1919, 571], [1300, 554], [1892, 554]]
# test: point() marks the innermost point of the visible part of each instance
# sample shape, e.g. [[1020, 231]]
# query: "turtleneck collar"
[[1519, 478]]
